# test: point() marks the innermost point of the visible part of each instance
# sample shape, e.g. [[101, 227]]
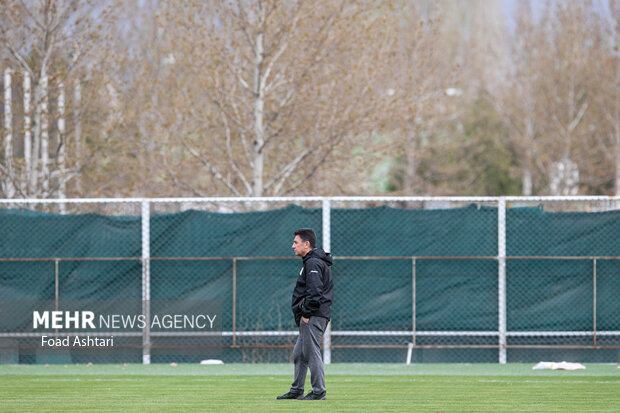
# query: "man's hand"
[[305, 320]]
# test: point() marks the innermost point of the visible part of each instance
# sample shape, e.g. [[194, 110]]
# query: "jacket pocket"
[[298, 307]]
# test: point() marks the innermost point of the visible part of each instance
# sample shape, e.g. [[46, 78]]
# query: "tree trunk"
[[77, 120], [527, 184], [9, 188], [36, 147], [62, 179], [27, 134], [617, 148], [409, 173], [45, 175], [616, 126], [259, 104]]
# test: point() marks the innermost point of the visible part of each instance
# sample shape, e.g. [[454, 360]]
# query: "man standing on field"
[[312, 301]]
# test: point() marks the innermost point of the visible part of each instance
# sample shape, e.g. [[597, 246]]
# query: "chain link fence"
[[425, 279], [563, 277]]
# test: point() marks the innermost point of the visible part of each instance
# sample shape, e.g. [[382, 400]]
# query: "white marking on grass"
[[549, 381]]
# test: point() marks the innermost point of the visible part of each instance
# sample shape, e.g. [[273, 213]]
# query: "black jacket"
[[314, 289]]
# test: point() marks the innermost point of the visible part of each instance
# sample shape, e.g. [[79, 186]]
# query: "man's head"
[[304, 242]]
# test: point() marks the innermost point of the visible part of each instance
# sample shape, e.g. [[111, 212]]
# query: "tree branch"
[[178, 182], [575, 122], [285, 172], [231, 160], [214, 172]]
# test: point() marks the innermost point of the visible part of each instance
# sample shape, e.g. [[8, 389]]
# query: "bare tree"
[[257, 98], [266, 97], [45, 41], [518, 101], [8, 184], [425, 82], [607, 92], [549, 97]]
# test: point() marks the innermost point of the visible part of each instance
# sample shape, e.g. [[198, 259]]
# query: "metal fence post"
[[56, 284], [501, 258], [327, 337], [146, 280], [594, 301], [234, 302], [413, 299]]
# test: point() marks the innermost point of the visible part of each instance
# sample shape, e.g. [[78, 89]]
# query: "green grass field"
[[350, 388]]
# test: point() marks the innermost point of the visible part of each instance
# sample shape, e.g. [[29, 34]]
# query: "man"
[[311, 304]]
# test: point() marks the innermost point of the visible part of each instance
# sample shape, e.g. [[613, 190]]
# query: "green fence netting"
[[390, 263]]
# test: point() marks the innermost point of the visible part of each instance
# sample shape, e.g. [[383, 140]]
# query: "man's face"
[[300, 247]]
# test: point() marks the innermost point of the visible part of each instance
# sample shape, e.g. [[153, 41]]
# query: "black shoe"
[[291, 395], [313, 396]]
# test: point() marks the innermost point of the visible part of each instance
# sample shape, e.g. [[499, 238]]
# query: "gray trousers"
[[307, 354]]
